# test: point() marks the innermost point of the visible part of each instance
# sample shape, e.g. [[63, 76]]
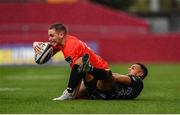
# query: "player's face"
[[55, 37], [136, 70]]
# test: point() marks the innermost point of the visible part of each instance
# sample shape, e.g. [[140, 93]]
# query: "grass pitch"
[[30, 89]]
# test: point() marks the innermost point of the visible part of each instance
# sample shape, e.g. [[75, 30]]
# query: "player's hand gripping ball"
[[43, 52]]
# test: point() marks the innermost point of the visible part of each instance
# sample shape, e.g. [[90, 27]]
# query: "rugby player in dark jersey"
[[124, 86]]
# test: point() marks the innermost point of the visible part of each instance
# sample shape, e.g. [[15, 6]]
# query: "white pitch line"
[[29, 77], [9, 89]]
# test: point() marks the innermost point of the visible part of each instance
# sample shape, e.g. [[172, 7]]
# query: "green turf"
[[35, 86]]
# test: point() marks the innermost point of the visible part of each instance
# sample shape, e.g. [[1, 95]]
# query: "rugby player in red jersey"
[[75, 50]]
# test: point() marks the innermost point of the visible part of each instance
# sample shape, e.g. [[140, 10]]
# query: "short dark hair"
[[59, 27], [144, 69]]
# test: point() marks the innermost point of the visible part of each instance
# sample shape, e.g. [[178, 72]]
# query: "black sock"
[[100, 73], [74, 79]]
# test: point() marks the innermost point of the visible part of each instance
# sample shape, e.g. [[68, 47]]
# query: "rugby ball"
[[45, 55]]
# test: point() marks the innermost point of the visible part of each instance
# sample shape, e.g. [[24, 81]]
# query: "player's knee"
[[78, 61], [88, 77]]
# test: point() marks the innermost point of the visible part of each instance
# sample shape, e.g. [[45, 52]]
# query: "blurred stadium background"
[[118, 30], [121, 31]]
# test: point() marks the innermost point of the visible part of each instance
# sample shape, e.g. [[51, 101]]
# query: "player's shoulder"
[[73, 41], [71, 38], [135, 80]]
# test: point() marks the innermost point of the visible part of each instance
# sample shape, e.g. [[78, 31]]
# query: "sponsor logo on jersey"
[[69, 59]]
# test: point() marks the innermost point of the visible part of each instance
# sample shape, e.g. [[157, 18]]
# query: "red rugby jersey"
[[75, 48]]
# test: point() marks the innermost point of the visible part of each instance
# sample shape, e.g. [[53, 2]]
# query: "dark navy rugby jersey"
[[128, 92], [121, 91]]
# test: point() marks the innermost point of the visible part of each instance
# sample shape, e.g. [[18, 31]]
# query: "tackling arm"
[[122, 79]]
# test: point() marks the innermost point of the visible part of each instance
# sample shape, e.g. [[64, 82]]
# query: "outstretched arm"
[[122, 79]]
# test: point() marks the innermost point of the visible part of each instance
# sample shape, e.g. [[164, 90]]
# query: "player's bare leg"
[[106, 84], [82, 92]]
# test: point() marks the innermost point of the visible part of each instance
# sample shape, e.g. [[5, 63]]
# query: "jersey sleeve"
[[137, 86], [135, 81]]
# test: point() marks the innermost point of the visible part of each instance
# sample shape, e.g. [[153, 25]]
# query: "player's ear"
[[61, 34], [140, 74]]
